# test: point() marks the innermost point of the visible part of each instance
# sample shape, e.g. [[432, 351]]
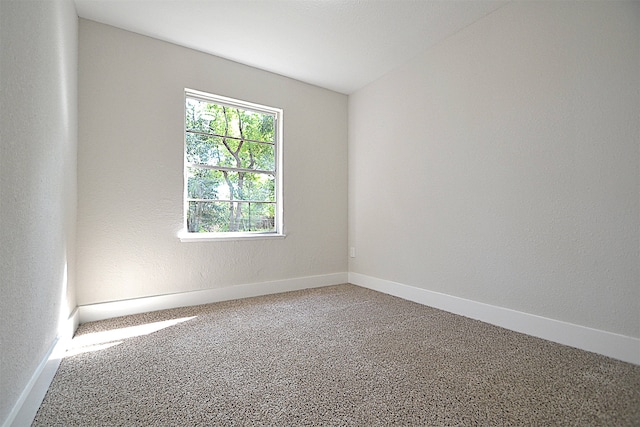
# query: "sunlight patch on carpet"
[[102, 340]]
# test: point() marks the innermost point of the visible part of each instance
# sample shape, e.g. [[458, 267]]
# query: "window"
[[232, 168]]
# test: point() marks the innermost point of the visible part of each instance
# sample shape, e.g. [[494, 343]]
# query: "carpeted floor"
[[334, 356]]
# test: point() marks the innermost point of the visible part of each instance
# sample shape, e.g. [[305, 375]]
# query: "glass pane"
[[218, 151], [228, 185], [217, 217], [209, 117]]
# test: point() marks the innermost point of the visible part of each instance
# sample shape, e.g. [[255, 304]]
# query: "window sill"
[[211, 237]]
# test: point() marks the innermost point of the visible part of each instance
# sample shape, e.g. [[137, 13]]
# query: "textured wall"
[[38, 132], [131, 100], [502, 166]]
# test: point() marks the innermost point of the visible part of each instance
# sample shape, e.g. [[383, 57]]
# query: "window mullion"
[[230, 169], [190, 199], [215, 135]]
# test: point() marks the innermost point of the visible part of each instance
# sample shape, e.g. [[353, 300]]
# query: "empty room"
[[319, 212]]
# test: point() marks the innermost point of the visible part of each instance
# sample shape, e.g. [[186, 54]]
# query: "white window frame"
[[185, 235]]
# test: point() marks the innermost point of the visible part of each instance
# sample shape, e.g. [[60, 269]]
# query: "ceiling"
[[340, 45]]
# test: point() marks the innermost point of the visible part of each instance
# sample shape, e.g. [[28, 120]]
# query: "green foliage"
[[231, 152]]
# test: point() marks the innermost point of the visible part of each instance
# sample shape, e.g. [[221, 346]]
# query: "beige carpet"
[[335, 356]]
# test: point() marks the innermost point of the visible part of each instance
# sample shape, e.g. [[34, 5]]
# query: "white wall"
[[131, 106], [38, 132], [502, 166]]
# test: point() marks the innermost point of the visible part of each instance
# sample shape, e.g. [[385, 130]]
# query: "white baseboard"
[[617, 346], [25, 409], [107, 310]]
